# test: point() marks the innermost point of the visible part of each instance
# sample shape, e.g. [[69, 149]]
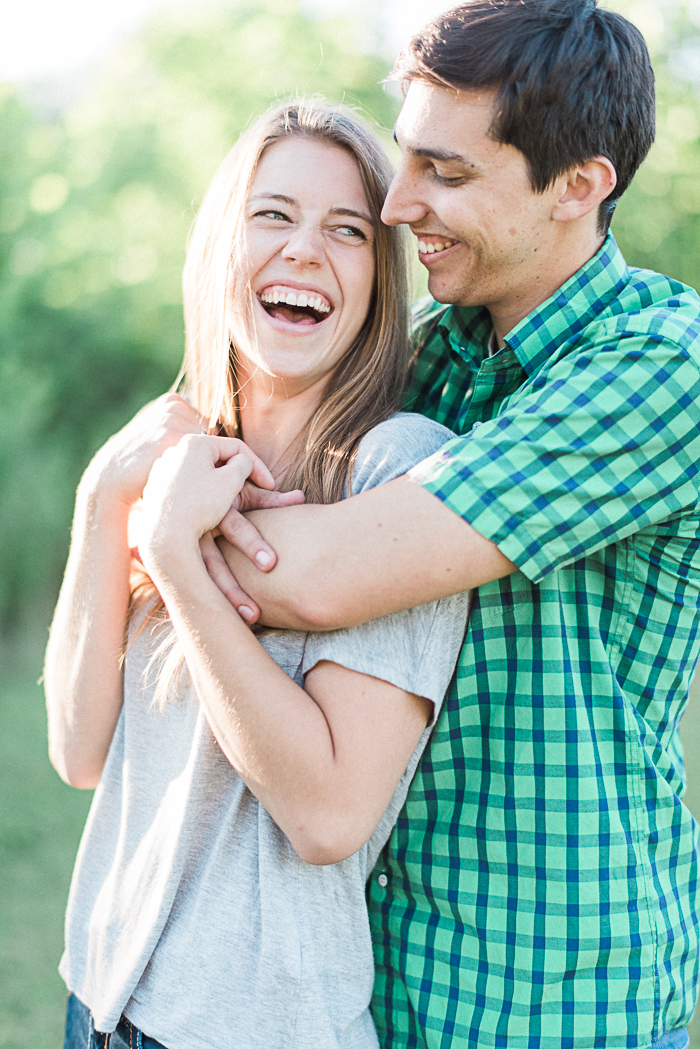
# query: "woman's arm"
[[82, 675], [82, 672], [324, 760]]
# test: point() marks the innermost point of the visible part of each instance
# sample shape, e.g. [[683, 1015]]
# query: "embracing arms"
[[387, 549], [324, 760]]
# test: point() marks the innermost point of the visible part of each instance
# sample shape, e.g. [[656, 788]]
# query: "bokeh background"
[[112, 123]]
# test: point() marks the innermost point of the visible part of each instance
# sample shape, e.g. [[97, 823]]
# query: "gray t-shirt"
[[189, 910]]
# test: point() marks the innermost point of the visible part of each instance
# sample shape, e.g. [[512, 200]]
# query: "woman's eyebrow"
[[333, 211], [354, 214], [274, 196]]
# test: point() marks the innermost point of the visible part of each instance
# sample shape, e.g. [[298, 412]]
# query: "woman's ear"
[[584, 188]]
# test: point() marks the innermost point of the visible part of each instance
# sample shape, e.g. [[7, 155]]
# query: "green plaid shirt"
[[540, 889]]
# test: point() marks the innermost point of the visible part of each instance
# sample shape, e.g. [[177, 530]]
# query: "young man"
[[540, 889]]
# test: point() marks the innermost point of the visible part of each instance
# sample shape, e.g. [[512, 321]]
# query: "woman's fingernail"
[[245, 613], [263, 558]]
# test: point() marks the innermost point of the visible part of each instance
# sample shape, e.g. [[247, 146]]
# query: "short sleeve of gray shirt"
[[415, 650]]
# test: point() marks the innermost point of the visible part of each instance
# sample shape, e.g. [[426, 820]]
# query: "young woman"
[[245, 783]]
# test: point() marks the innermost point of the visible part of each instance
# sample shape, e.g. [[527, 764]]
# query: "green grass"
[[40, 824]]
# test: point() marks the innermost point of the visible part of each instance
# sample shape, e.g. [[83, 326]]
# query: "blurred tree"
[[94, 213], [657, 223], [95, 206]]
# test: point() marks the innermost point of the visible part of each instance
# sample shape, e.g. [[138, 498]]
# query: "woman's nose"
[[305, 245]]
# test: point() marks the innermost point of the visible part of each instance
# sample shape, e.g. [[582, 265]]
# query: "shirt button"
[[383, 880]]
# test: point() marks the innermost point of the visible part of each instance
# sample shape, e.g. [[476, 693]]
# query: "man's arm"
[[387, 549]]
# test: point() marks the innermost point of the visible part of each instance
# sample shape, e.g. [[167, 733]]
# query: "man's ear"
[[584, 188]]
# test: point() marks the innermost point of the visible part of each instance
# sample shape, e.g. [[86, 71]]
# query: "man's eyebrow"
[[437, 154], [443, 155]]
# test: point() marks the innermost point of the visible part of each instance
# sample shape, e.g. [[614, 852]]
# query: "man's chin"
[[443, 291]]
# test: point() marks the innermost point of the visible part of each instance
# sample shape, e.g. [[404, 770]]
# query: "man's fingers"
[[221, 574], [243, 535]]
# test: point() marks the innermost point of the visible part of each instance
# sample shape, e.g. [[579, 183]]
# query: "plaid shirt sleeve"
[[602, 443]]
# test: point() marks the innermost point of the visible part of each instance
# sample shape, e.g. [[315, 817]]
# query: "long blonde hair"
[[367, 385]]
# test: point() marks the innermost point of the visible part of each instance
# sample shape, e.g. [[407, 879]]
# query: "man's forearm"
[[388, 549]]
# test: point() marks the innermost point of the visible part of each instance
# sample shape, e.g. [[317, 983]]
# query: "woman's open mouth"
[[295, 306]]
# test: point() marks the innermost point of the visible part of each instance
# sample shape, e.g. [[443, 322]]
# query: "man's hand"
[[387, 549], [238, 530]]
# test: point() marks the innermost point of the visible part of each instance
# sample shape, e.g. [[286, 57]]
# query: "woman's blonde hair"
[[367, 384]]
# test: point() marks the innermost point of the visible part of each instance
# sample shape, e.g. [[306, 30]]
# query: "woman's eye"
[[351, 231], [279, 215]]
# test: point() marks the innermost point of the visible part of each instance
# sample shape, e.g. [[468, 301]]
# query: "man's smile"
[[433, 246]]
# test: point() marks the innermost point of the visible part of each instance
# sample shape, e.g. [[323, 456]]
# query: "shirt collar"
[[584, 296]]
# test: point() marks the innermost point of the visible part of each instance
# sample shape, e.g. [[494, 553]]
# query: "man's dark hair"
[[572, 81]]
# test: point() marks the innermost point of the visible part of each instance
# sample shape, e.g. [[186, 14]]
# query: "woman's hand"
[[190, 489], [123, 464]]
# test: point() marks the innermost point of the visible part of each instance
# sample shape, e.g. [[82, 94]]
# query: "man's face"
[[482, 231]]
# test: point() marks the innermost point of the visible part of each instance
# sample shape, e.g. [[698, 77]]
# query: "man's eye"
[[444, 181]]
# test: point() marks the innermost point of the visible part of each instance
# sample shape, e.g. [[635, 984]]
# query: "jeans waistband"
[[678, 1039]]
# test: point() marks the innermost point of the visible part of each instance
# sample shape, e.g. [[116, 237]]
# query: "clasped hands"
[[192, 488]]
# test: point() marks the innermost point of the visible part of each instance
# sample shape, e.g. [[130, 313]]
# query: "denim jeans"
[[81, 1033], [678, 1039]]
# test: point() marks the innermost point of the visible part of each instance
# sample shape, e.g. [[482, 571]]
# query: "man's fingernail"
[[245, 613], [263, 558]]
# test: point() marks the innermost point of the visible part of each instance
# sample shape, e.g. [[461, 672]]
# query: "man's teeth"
[[429, 249], [291, 298]]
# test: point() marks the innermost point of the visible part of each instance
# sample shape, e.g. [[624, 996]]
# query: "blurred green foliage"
[[95, 205], [94, 212], [658, 221]]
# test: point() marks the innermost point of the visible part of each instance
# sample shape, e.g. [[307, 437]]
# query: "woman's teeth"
[[428, 249], [291, 298]]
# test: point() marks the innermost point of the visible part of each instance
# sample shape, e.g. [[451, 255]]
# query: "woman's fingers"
[[253, 498], [221, 574], [230, 446]]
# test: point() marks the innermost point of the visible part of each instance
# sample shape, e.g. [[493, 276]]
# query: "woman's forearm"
[[269, 728], [82, 674], [325, 764]]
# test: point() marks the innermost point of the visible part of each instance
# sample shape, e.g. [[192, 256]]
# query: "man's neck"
[[539, 286]]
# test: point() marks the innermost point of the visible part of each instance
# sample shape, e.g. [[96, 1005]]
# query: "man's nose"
[[403, 202], [305, 245]]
